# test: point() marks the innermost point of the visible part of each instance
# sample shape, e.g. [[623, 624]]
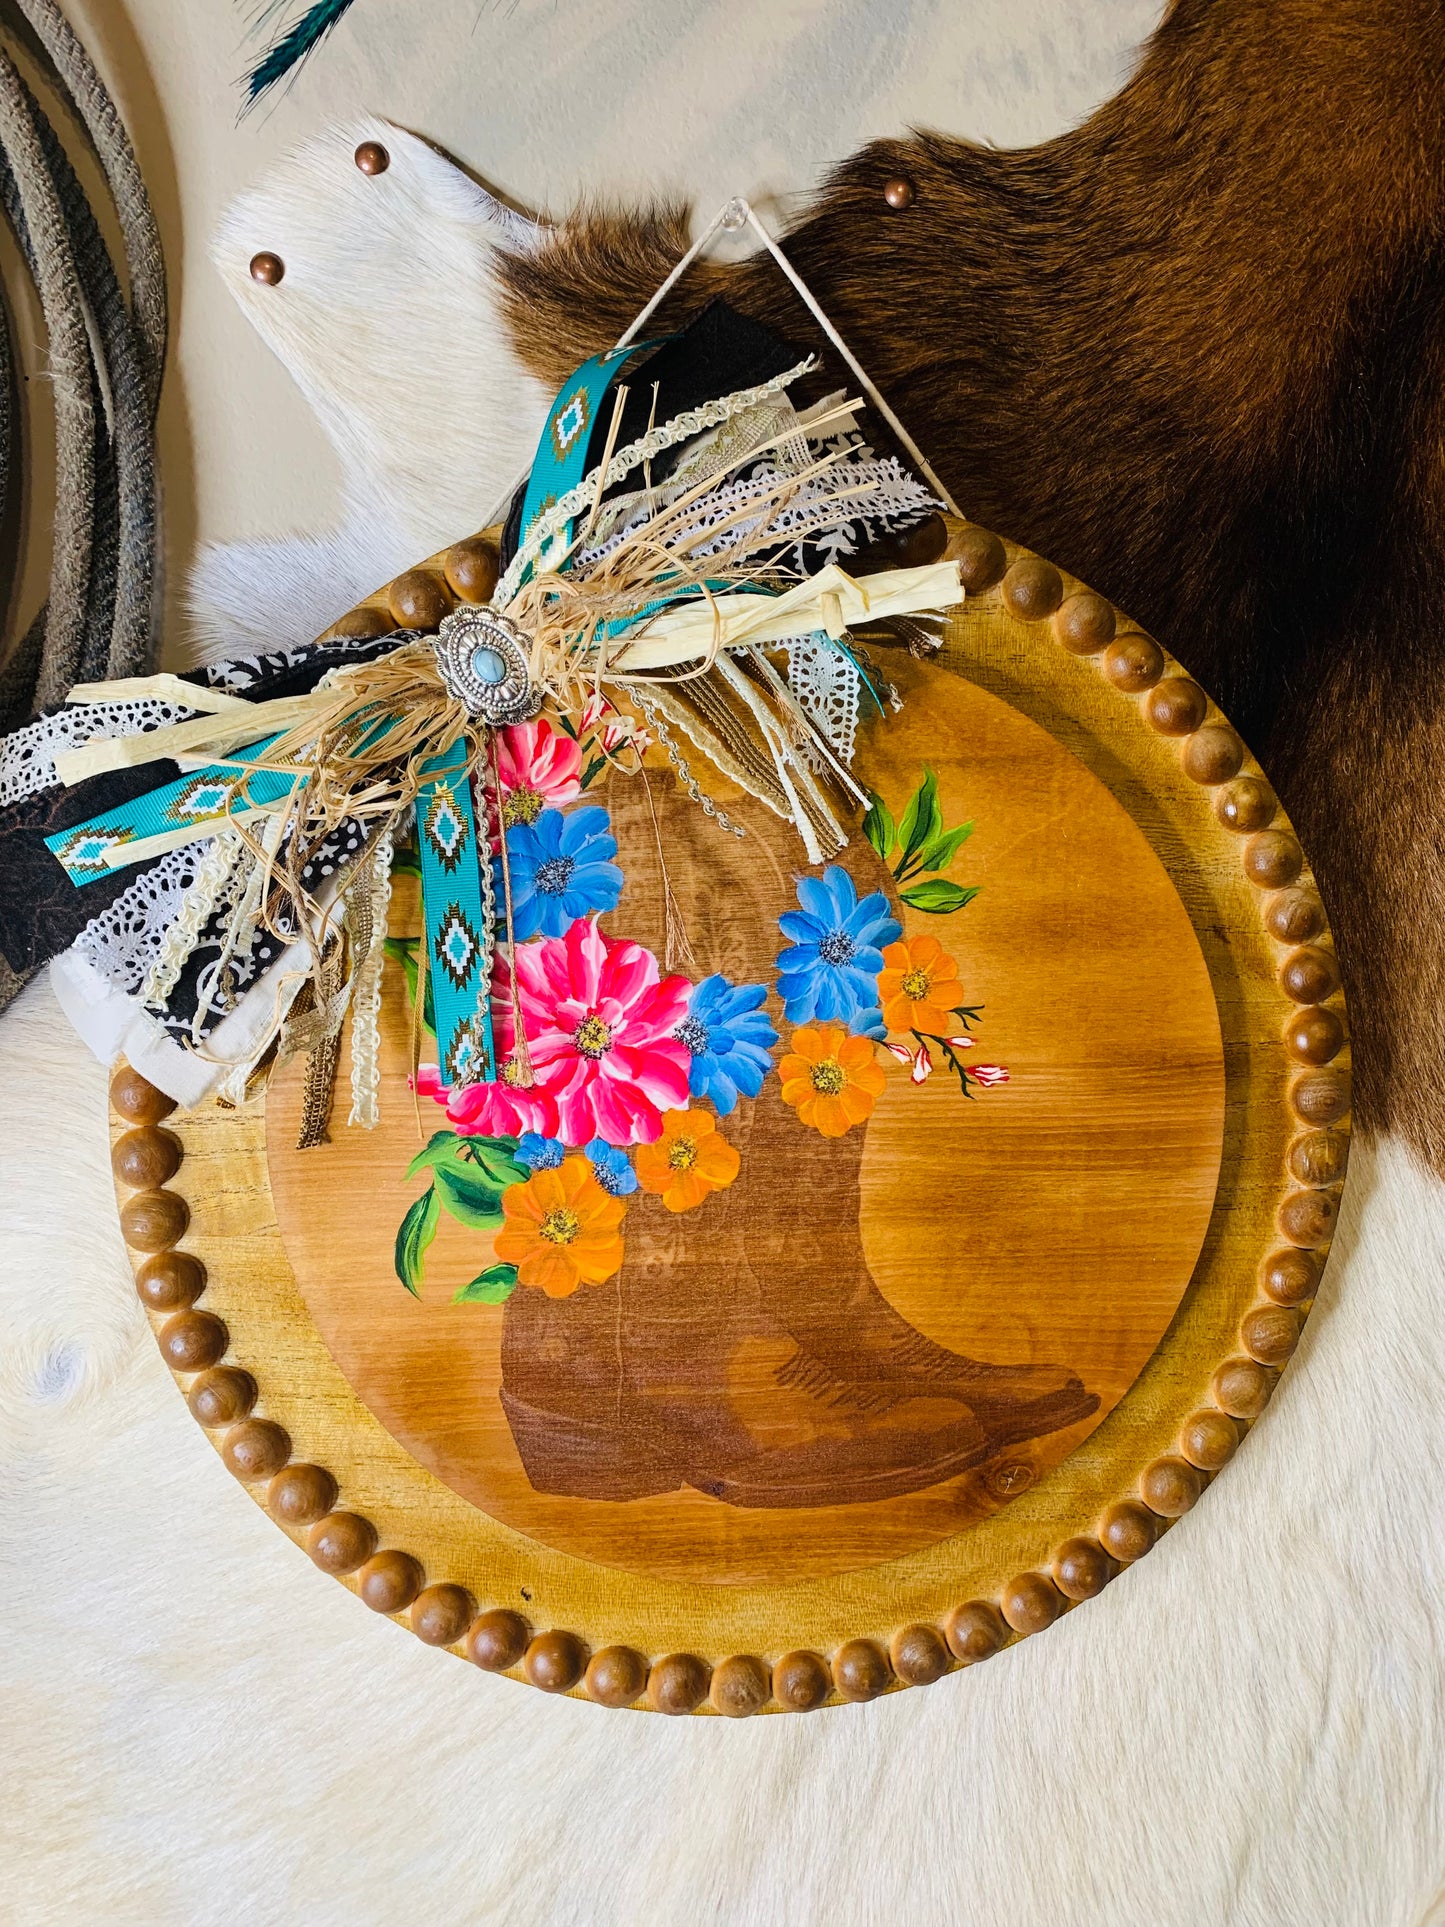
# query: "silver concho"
[[482, 657]]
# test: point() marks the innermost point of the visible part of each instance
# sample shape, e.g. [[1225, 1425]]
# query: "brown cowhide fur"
[[1194, 351]]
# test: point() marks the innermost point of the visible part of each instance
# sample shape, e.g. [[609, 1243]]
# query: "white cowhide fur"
[[195, 1725]]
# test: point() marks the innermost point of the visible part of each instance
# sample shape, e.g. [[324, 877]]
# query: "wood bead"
[[915, 547], [170, 1280], [1030, 1602], [801, 1681], [1246, 806], [1320, 1097], [498, 1640], [1209, 1439], [301, 1494], [1294, 916], [145, 1158], [372, 158], [1310, 975], [898, 193], [136, 1099], [1290, 1277], [1169, 1486], [1242, 1388], [390, 1580], [1128, 1530], [418, 600], [1084, 623], [919, 1655], [1032, 589], [1212, 754], [975, 1631], [1307, 1218], [1176, 706], [1081, 1568], [192, 1340], [151, 1220], [221, 1396], [860, 1670], [472, 568], [257, 1448], [1314, 1036], [1270, 1333], [554, 1661], [267, 268], [740, 1687], [980, 556], [363, 624], [441, 1614], [1272, 859], [1134, 663], [341, 1541], [615, 1676], [677, 1684]]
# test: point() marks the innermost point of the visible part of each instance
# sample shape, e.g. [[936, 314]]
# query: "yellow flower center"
[[522, 806], [829, 1077], [683, 1155], [916, 984], [592, 1037], [561, 1226], [512, 1073]]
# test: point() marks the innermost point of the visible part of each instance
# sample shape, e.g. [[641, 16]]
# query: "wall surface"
[[547, 101]]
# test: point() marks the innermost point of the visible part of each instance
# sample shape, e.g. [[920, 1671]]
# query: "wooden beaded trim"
[[302, 1496]]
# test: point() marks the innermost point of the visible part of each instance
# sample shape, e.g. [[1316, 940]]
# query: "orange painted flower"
[[691, 1158], [918, 986], [561, 1229], [831, 1080]]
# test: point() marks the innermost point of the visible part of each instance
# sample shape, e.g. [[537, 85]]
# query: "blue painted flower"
[[611, 1167], [830, 971], [731, 1038], [562, 869], [539, 1153]]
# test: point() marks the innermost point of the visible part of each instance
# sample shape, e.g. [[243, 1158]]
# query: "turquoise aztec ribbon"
[[455, 921], [199, 801], [561, 458]]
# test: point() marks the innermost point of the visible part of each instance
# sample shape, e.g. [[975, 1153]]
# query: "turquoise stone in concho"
[[482, 656]]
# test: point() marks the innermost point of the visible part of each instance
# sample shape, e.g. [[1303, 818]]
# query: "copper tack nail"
[[372, 158], [267, 269]]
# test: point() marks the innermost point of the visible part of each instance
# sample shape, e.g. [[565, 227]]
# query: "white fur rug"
[[195, 1725]]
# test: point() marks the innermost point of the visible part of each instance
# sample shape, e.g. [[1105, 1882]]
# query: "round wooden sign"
[[892, 1346]]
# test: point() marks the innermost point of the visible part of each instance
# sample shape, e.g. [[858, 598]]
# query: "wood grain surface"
[[730, 1408], [1129, 741]]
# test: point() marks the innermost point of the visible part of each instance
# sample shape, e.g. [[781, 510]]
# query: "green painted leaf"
[[491, 1287], [565, 723], [938, 896], [943, 849], [470, 1195], [593, 770], [922, 820], [879, 827], [494, 1158], [406, 861], [436, 1149], [416, 1232]]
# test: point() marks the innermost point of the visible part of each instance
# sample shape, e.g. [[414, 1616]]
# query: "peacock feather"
[[287, 51]]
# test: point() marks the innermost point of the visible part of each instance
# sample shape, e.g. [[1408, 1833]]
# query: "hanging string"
[[519, 1071]]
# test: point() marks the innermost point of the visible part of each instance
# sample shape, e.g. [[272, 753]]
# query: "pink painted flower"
[[988, 1075], [539, 766], [599, 1022], [490, 1110]]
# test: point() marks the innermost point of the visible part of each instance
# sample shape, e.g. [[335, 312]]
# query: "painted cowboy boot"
[[747, 1351]]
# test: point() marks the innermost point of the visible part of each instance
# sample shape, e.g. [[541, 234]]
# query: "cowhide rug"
[[1245, 1728]]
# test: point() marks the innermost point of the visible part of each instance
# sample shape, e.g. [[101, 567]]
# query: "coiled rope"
[[106, 352]]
